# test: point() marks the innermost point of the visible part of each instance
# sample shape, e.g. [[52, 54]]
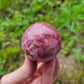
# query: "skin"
[[31, 73]]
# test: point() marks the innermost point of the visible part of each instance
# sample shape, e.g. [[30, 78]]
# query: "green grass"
[[78, 56], [16, 16]]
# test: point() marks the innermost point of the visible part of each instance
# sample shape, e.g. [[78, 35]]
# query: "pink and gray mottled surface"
[[41, 41]]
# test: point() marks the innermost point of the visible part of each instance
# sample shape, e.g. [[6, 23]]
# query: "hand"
[[30, 73]]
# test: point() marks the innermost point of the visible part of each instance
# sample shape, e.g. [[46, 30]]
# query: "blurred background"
[[66, 15]]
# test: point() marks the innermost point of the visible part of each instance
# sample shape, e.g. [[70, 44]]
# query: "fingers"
[[56, 70], [48, 71], [20, 75], [37, 74], [40, 68]]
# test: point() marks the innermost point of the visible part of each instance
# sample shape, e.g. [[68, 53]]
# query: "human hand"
[[30, 73]]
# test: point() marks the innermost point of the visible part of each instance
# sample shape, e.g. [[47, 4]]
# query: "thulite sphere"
[[41, 42]]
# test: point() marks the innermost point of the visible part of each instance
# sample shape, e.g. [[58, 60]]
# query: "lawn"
[[68, 18]]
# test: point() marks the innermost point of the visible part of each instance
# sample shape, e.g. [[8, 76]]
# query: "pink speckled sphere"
[[41, 42]]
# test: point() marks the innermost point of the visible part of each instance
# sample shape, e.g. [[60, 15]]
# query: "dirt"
[[71, 72]]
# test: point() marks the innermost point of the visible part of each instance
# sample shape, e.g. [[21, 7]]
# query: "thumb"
[[48, 71], [21, 74]]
